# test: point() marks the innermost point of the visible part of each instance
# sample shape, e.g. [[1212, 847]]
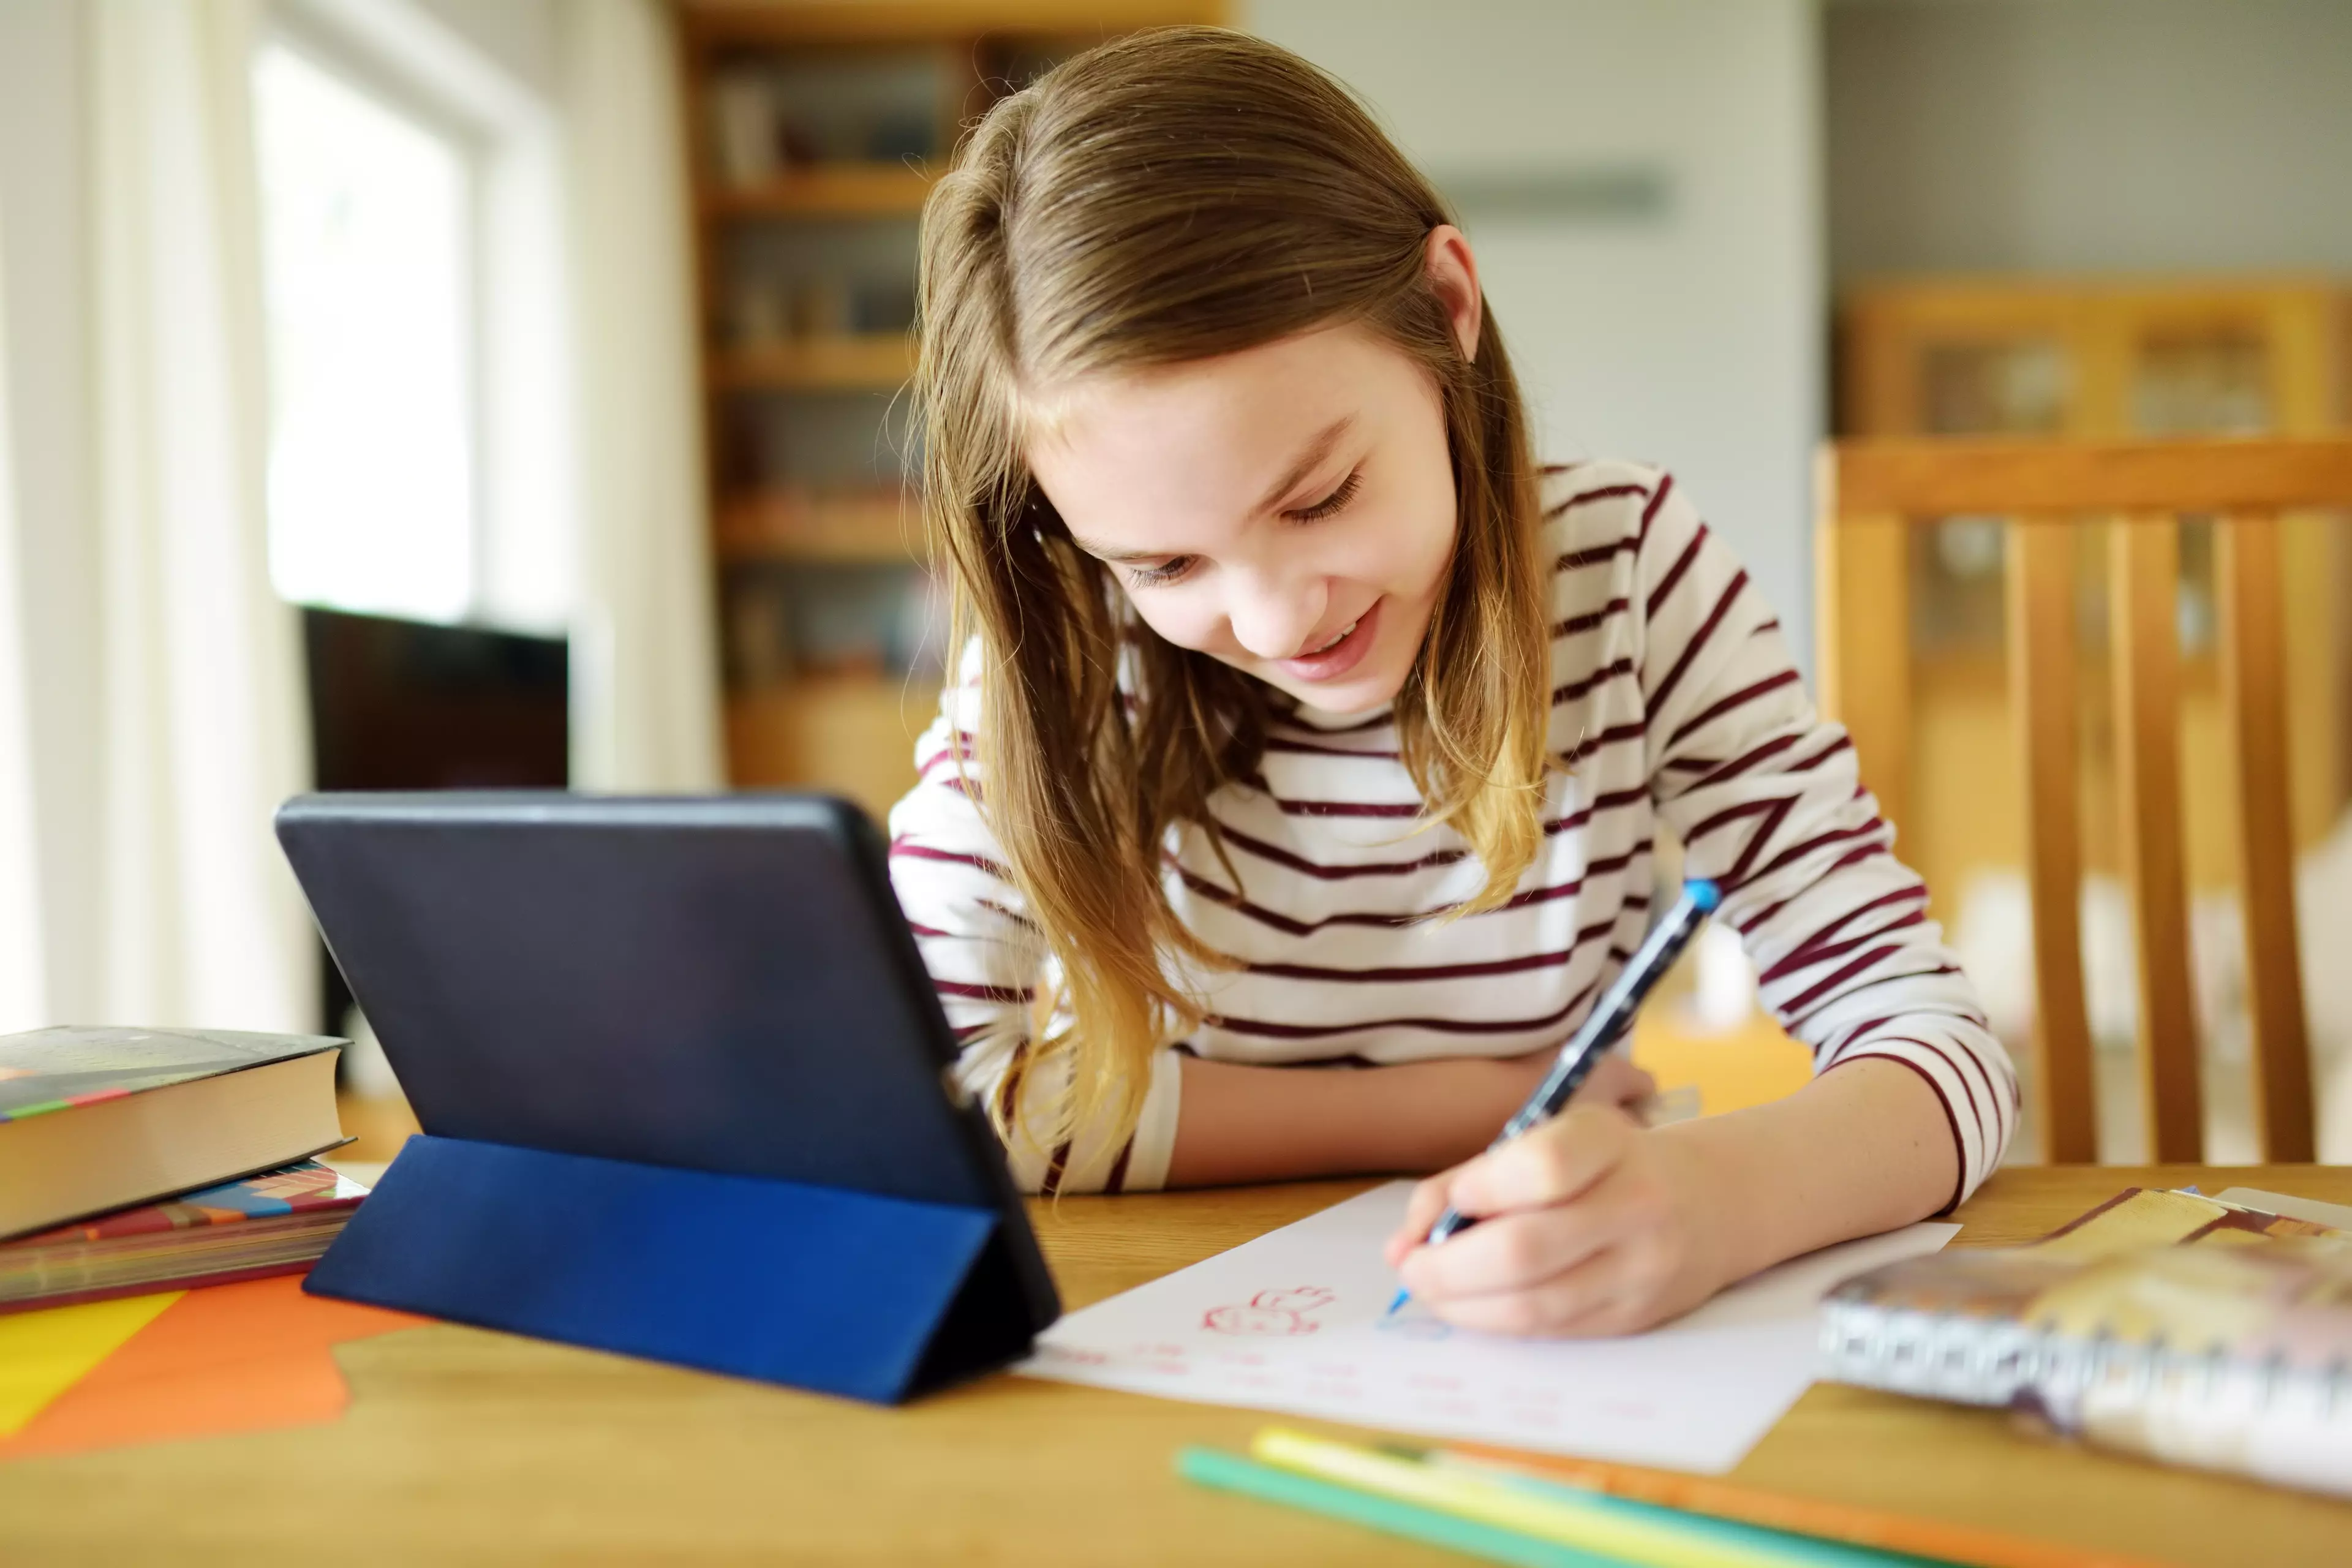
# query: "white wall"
[[1692, 338], [43, 178], [2089, 136]]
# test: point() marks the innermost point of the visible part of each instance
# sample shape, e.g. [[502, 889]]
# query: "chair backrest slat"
[[2253, 684], [2144, 587], [1862, 585], [2040, 589], [1874, 491]]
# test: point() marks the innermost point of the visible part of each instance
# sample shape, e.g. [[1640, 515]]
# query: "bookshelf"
[[2092, 357], [813, 131]]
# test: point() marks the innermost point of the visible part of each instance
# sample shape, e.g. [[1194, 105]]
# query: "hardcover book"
[[93, 1119]]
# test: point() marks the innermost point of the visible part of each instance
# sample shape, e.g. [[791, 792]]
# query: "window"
[[368, 258]]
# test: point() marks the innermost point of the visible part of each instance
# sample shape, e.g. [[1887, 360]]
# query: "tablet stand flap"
[[843, 1292]]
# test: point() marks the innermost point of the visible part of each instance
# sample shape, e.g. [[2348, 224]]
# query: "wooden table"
[[467, 1446]]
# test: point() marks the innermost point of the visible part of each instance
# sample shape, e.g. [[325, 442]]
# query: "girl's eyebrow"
[[1310, 457]]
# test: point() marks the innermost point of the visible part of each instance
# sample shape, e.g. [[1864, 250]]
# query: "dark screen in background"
[[406, 705]]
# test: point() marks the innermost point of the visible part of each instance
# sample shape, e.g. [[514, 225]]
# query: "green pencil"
[[1231, 1472]]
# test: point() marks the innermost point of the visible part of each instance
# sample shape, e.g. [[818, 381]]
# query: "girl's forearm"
[[1241, 1123], [1862, 1148]]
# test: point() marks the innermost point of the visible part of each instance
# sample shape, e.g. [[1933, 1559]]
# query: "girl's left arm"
[[1600, 1226]]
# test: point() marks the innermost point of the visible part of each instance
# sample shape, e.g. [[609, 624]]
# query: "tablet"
[[721, 983]]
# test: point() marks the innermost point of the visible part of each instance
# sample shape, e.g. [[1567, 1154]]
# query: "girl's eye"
[[1166, 571], [1335, 501]]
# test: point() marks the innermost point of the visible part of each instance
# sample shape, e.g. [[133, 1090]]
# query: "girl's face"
[[1288, 508]]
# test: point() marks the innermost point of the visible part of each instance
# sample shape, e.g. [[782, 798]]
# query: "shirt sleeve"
[[1769, 803], [987, 959]]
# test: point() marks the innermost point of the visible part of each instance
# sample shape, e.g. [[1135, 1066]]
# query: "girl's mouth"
[[1341, 654]]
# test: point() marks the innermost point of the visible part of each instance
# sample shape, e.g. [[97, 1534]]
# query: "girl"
[[1299, 789]]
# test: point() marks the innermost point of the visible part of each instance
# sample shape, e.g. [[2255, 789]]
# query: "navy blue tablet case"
[[684, 1085]]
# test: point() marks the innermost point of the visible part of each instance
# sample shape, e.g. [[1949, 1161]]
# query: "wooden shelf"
[[877, 527], [853, 735], [879, 363], [841, 190]]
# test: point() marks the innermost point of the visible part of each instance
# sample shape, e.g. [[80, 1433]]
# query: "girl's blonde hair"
[[1166, 198]]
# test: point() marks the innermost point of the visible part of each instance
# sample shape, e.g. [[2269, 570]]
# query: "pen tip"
[[1400, 1298], [1706, 895]]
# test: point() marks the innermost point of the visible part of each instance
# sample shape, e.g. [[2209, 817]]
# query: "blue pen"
[[1603, 1026]]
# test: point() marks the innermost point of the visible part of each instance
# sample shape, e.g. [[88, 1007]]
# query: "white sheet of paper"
[[1296, 1321]]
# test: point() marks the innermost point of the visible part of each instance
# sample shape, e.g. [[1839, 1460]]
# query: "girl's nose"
[[1274, 620]]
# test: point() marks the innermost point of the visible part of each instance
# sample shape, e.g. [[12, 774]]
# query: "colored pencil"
[[1231, 1472], [1633, 1532], [1930, 1538]]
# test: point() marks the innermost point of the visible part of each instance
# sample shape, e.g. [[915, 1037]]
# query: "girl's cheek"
[[1191, 625]]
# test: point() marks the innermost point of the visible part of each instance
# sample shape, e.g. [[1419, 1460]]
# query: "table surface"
[[466, 1445]]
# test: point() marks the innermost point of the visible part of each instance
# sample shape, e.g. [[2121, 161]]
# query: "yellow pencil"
[[1590, 1527]]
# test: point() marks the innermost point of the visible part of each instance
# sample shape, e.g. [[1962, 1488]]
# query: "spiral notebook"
[[2200, 1331]]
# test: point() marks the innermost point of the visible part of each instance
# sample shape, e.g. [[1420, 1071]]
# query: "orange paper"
[[230, 1358]]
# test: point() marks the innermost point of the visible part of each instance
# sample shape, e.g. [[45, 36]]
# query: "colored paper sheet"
[[233, 1358], [1296, 1321], [44, 1353]]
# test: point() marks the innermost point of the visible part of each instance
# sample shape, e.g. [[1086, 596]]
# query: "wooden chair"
[[1871, 492]]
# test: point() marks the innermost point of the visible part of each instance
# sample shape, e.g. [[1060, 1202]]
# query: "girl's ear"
[[1453, 278]]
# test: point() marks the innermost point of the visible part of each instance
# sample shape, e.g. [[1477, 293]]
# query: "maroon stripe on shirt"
[[1984, 1138], [1723, 773], [1604, 493], [1339, 807], [1731, 704], [1810, 948], [1595, 555], [1797, 852], [1730, 815], [1306, 748], [1586, 622], [1844, 972], [1778, 812], [1008, 1088], [971, 993], [1118, 1179], [1576, 689], [1608, 800], [1842, 743], [1408, 974], [1616, 735], [1657, 499], [1674, 572], [1434, 1025], [1055, 1167], [1960, 1144], [1794, 1023], [908, 849], [1665, 688], [1292, 926], [1834, 1043], [1748, 923]]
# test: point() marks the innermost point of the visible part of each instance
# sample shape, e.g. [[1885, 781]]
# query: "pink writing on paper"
[[1271, 1312]]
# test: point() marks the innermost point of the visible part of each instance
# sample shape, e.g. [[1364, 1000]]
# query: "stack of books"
[[141, 1159]]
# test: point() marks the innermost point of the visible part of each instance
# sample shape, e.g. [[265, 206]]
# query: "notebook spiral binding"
[[1990, 1361]]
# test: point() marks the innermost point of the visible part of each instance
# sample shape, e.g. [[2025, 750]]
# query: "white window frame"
[[524, 570]]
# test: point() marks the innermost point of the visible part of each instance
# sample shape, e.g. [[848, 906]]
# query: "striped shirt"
[[1676, 705]]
